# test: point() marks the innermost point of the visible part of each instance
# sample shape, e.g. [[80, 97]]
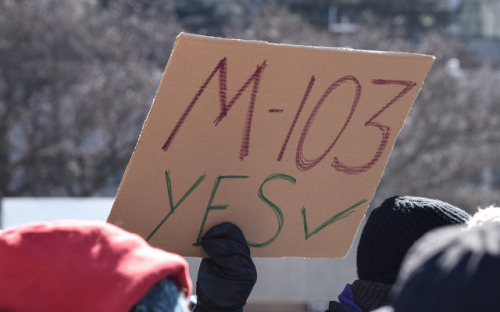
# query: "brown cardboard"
[[287, 142]]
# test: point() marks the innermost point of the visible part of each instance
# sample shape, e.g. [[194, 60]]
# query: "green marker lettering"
[[210, 207], [341, 215], [171, 201], [277, 211]]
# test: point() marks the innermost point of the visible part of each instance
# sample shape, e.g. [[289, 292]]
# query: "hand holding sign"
[[226, 279], [287, 142]]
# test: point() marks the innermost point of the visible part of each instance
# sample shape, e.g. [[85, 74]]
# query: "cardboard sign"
[[287, 142]]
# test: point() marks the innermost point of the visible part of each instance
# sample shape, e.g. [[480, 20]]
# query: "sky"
[[19, 210]]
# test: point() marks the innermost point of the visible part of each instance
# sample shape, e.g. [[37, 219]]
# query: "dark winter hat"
[[451, 269], [393, 227], [81, 266]]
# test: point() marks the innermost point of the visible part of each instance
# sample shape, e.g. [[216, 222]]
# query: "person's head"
[[451, 269], [84, 266], [393, 227]]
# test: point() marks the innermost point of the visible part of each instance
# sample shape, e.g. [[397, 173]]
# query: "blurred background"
[[77, 78]]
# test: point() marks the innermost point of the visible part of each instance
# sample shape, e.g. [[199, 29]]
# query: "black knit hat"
[[451, 269], [392, 228]]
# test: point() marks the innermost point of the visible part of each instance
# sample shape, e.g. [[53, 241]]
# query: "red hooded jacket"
[[81, 266]]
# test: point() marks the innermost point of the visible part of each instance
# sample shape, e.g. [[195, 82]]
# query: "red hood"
[[81, 266]]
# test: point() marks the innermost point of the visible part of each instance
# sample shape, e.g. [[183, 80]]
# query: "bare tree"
[[450, 140], [77, 79], [448, 146], [75, 86]]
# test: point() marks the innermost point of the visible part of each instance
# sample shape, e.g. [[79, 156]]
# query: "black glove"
[[226, 279]]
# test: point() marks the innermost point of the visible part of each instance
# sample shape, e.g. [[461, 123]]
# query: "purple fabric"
[[347, 298]]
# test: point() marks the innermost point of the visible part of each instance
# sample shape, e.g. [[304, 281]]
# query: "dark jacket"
[[335, 306], [361, 296], [454, 269]]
